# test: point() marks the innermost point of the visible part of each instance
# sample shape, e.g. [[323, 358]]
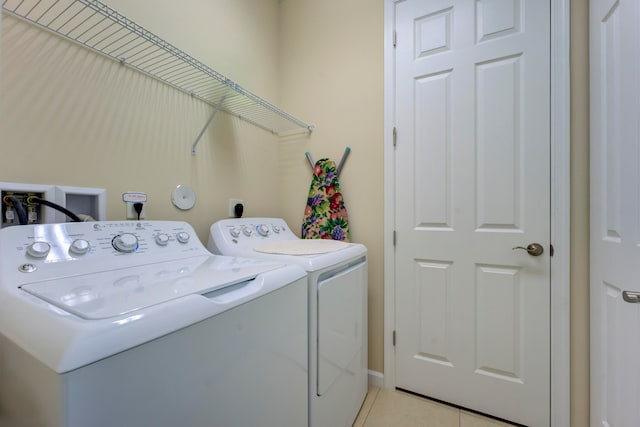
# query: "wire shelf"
[[102, 29]]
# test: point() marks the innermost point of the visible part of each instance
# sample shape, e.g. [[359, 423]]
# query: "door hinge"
[[551, 250], [395, 38], [394, 237], [395, 136], [394, 338]]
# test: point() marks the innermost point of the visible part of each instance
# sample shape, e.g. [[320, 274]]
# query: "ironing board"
[[325, 216]]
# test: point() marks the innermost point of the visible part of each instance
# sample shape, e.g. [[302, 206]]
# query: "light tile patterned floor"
[[392, 408]]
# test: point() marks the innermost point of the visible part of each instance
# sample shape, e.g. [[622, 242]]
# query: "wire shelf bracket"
[[96, 26], [213, 114]]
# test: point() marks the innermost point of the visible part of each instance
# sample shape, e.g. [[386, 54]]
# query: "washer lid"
[[301, 247], [112, 293]]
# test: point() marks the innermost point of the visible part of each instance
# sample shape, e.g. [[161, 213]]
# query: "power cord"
[[238, 209], [138, 208]]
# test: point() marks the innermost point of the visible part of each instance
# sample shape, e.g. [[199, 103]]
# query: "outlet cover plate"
[[132, 197]]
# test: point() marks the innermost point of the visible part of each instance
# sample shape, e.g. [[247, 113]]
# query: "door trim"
[[560, 207]]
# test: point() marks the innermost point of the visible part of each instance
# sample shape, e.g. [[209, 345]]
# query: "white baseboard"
[[376, 379]]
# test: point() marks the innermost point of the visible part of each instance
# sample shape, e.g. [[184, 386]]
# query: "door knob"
[[533, 249], [630, 296]]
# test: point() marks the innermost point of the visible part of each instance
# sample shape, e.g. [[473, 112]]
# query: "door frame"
[[560, 207]]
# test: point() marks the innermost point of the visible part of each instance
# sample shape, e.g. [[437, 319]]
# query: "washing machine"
[[137, 324], [337, 280]]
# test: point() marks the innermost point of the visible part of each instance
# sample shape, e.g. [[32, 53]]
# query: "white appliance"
[[337, 279], [137, 324]]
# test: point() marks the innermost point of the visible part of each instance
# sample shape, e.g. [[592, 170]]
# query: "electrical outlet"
[[131, 211], [131, 198], [232, 207]]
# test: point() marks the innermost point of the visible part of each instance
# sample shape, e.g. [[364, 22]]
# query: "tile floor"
[[392, 408]]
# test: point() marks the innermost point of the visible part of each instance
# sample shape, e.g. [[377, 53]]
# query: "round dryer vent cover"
[[183, 197]]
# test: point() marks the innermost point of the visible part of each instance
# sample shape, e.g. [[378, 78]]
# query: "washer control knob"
[[125, 242], [246, 231], [79, 247], [183, 237], [39, 249], [276, 228], [263, 230], [162, 239], [234, 232]]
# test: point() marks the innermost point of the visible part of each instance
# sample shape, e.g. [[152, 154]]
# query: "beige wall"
[[331, 71], [579, 213], [69, 117]]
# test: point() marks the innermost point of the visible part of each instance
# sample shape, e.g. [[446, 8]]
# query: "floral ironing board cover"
[[325, 216]]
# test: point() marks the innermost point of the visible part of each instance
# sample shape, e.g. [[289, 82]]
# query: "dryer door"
[[341, 324]]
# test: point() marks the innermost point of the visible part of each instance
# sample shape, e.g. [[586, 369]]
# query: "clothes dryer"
[[136, 323], [337, 291]]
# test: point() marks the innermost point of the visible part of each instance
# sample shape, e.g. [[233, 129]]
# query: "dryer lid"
[[301, 247], [116, 292]]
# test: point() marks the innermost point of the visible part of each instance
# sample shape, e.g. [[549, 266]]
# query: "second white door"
[[473, 182], [615, 212]]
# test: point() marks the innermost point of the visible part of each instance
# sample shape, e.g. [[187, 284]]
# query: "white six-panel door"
[[472, 182], [615, 211]]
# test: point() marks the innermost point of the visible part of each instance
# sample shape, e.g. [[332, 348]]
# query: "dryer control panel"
[[245, 233]]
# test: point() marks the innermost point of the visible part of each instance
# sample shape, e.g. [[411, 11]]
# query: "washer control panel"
[[81, 247]]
